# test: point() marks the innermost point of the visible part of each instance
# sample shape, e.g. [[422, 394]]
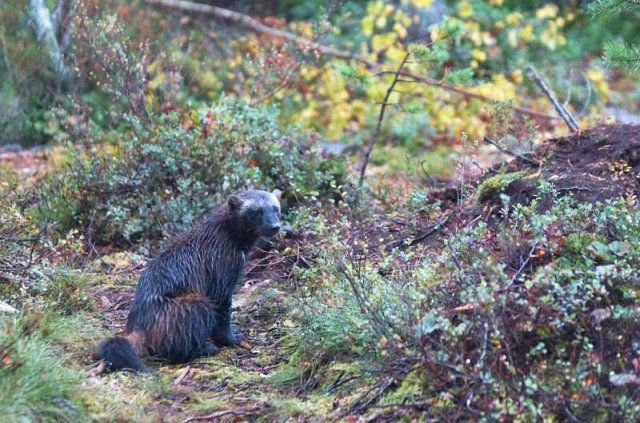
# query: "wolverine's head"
[[258, 212]]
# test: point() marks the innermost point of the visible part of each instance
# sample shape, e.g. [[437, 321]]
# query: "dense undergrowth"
[[165, 174], [531, 318]]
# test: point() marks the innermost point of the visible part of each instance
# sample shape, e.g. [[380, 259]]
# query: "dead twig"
[[466, 93], [383, 107], [431, 230], [520, 157], [359, 408], [283, 84], [219, 414], [252, 24], [562, 111], [182, 377]]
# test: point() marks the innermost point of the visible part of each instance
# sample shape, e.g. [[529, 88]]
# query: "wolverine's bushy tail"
[[118, 353]]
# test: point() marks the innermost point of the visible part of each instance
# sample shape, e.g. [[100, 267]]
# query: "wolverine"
[[183, 297]]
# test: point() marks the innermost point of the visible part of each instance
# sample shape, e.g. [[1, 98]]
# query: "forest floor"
[[251, 382]]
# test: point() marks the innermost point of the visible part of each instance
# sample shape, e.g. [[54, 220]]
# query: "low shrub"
[[163, 175], [526, 319]]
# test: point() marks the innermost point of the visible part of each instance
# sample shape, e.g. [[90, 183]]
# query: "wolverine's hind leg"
[[182, 328]]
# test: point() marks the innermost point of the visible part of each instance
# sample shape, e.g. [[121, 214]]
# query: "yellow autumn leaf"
[[381, 41], [548, 11], [595, 75], [466, 10], [367, 26], [517, 77], [421, 3], [400, 30], [479, 55]]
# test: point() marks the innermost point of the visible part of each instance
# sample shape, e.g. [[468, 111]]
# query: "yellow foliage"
[[402, 18], [517, 77], [597, 78], [473, 32], [367, 25], [419, 3], [514, 18], [526, 34], [400, 30], [381, 41], [512, 39], [548, 11], [479, 55], [466, 10]]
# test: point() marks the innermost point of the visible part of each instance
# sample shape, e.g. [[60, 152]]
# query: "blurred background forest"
[[191, 59], [483, 267]]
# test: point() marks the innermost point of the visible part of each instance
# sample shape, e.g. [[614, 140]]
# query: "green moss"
[[495, 185], [285, 376], [412, 386]]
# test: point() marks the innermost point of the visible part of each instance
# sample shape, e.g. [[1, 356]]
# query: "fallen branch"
[[252, 24], [468, 94], [359, 407], [219, 414], [257, 27], [511, 153], [182, 377], [424, 235], [562, 111], [383, 107]]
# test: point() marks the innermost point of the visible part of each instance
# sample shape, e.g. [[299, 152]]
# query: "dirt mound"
[[595, 165]]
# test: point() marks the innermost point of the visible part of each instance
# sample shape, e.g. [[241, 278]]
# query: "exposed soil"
[[596, 165]]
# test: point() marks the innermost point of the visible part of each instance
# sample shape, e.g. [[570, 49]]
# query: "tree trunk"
[[47, 36]]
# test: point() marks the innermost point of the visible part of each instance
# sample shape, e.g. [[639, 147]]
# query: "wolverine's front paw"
[[209, 349], [229, 337]]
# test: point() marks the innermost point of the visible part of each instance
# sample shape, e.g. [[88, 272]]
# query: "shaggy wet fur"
[[183, 297]]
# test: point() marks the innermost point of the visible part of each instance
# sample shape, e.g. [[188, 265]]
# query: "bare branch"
[[511, 153], [562, 111], [385, 103], [254, 25], [468, 94]]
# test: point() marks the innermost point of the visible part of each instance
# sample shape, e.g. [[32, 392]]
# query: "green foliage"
[[606, 7], [166, 174], [618, 55], [512, 318], [622, 56], [32, 260]]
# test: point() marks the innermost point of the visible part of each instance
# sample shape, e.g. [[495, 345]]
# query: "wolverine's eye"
[[260, 211]]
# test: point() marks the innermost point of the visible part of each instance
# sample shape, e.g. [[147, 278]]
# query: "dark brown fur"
[[183, 297]]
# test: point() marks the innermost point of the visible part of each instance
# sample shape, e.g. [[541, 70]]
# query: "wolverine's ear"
[[277, 193], [235, 202]]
